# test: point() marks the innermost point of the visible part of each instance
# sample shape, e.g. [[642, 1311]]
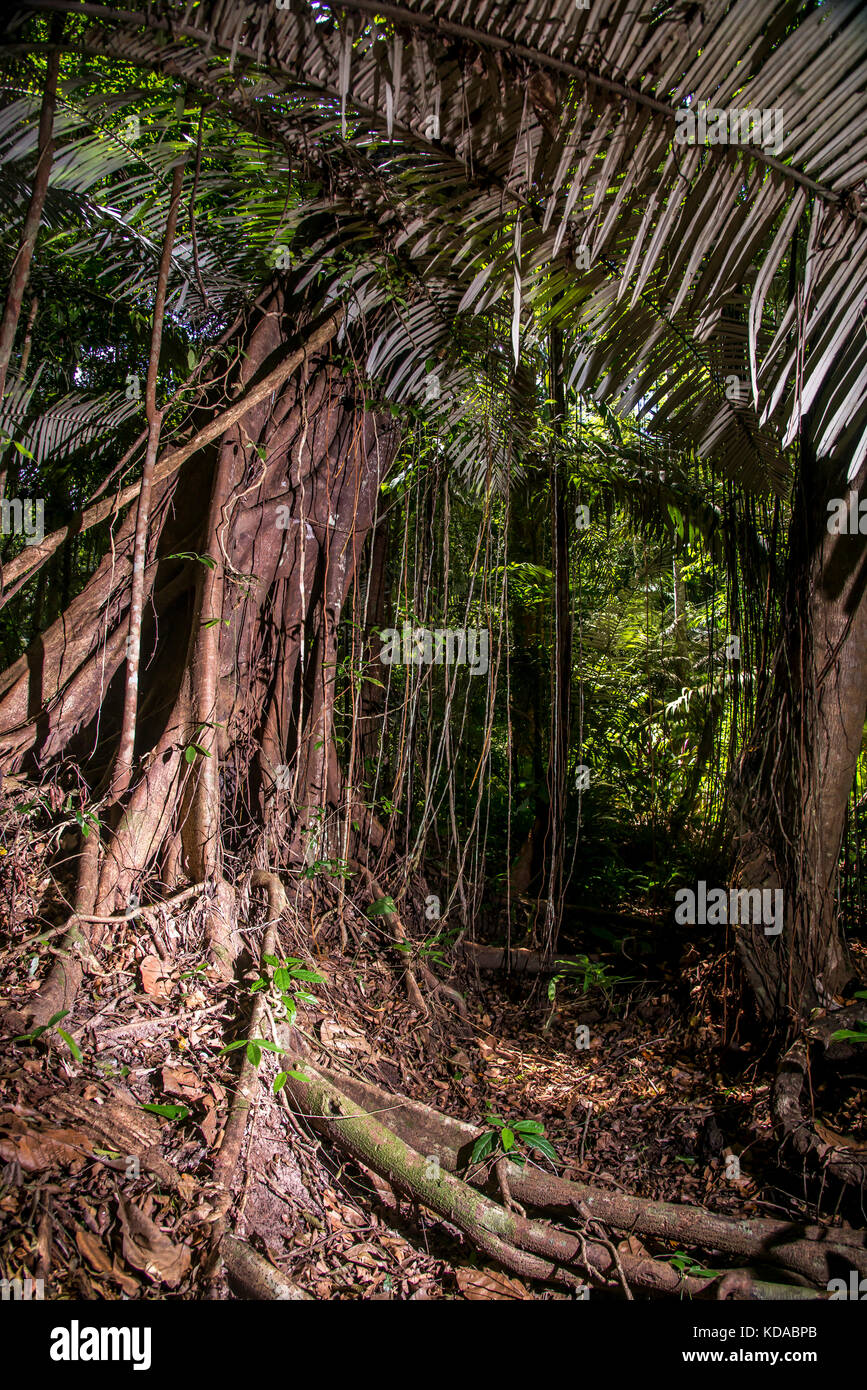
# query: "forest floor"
[[105, 1198]]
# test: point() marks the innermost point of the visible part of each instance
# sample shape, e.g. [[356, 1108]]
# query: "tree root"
[[60, 987], [816, 1253], [229, 1153], [788, 1107], [527, 1248], [252, 1276], [519, 960], [416, 998]]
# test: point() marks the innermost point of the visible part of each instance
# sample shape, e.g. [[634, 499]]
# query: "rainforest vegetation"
[[433, 831]]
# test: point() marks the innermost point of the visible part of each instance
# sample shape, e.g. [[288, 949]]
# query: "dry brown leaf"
[[97, 1257], [145, 1247], [208, 1123], [632, 1246], [130, 1286], [839, 1141], [363, 1256], [155, 977], [489, 1284], [38, 1149], [340, 1039], [187, 1186], [183, 1082]]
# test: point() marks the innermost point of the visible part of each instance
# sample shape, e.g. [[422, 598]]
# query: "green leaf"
[[507, 1138], [381, 906], [528, 1127], [280, 1081], [37, 1032], [848, 1035], [71, 1044], [483, 1146], [254, 1053], [543, 1146], [170, 1112], [310, 976], [191, 555], [298, 1075], [232, 1047]]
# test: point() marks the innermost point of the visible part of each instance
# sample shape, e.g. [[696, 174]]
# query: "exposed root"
[[789, 1100], [527, 1248], [816, 1253], [252, 1276]]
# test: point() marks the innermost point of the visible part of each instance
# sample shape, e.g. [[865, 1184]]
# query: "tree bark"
[[794, 779]]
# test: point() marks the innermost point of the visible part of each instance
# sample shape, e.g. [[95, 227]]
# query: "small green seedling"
[[510, 1139], [44, 1028], [254, 1048]]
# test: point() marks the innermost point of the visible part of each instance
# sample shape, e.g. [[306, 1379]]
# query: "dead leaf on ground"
[[340, 1039], [130, 1286], [839, 1141], [156, 977], [488, 1284], [97, 1257], [37, 1149], [632, 1246], [183, 1082], [208, 1124], [146, 1247]]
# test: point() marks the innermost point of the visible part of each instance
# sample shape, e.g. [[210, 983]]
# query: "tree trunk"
[[794, 779], [242, 601]]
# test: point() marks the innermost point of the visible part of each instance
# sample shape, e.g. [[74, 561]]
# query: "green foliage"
[[512, 1138]]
